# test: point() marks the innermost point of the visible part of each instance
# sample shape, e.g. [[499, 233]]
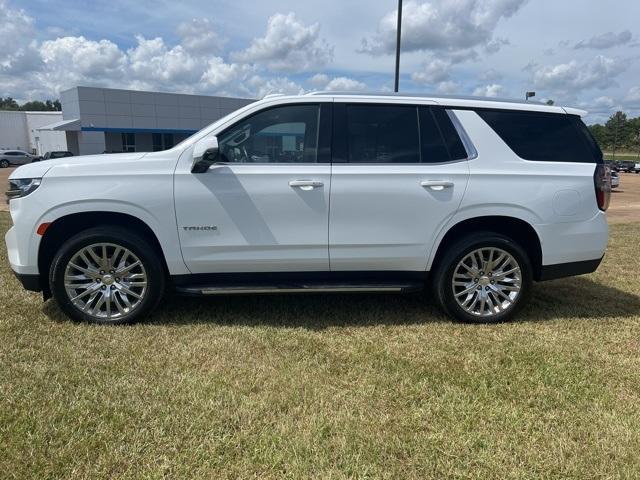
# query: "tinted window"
[[432, 144], [278, 135], [538, 136], [382, 134], [451, 138]]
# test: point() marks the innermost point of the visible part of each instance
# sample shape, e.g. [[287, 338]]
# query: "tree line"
[[619, 133], [9, 103]]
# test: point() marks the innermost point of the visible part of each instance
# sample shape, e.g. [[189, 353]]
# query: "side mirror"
[[205, 154]]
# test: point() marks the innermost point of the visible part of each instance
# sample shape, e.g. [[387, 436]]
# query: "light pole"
[[399, 29]]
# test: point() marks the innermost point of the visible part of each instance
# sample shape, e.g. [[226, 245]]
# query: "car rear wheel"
[[483, 278], [107, 275], [4, 163]]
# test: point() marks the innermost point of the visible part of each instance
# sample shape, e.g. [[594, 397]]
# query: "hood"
[[39, 169]]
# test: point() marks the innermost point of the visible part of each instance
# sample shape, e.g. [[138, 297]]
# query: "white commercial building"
[[21, 131], [98, 120]]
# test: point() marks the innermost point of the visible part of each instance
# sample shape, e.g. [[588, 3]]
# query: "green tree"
[[8, 104]]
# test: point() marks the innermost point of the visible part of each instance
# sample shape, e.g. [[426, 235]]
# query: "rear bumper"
[[561, 270]]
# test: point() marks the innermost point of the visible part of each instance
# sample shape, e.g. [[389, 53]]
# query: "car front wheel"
[[107, 275], [483, 278]]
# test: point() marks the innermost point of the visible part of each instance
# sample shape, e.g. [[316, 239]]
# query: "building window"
[[128, 142], [162, 141]]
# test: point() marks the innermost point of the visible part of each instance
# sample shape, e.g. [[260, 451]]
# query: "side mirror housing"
[[205, 154]]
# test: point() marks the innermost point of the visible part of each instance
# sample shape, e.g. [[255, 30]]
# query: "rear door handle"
[[436, 184], [305, 184]]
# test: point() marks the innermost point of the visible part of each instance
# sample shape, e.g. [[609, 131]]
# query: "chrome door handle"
[[436, 184], [305, 184]]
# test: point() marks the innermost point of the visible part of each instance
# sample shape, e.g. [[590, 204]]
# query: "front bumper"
[[30, 281]]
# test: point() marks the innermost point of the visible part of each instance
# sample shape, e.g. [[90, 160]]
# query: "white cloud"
[[220, 74], [574, 76], [198, 36], [345, 84], [448, 87], [288, 46], [605, 40], [433, 71], [492, 90], [442, 26], [18, 52], [261, 86], [633, 95], [319, 80]]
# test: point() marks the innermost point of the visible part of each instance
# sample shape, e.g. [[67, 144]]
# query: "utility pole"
[[399, 29]]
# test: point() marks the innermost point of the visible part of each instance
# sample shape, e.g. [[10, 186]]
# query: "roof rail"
[[271, 95]]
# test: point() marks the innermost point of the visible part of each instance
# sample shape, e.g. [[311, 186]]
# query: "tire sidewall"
[[457, 252], [4, 164], [133, 242]]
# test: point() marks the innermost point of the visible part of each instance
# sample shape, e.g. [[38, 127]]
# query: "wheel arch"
[[64, 227], [515, 228]]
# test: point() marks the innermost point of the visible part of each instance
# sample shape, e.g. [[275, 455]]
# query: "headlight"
[[21, 187]]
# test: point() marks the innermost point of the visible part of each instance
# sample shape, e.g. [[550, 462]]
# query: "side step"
[[297, 288]]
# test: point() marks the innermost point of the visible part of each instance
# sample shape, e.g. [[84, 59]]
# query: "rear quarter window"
[[547, 137]]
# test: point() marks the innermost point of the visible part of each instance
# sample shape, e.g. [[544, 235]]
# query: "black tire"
[[442, 278], [116, 235], [4, 163]]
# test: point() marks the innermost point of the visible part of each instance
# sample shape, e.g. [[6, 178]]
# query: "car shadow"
[[579, 297]]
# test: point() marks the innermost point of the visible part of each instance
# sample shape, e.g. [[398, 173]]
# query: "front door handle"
[[437, 184], [305, 184]]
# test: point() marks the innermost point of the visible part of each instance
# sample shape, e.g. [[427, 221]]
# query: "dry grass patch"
[[329, 386]]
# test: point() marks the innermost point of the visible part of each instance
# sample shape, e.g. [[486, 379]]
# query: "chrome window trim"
[[466, 141]]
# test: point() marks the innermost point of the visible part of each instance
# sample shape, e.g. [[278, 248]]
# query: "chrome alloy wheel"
[[105, 280], [487, 281]]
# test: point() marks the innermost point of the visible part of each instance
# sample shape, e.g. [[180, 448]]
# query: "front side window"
[[382, 134], [287, 134]]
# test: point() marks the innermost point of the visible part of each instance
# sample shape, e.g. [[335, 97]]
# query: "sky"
[[581, 53]]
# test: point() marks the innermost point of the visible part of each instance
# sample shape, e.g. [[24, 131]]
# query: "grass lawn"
[[329, 386]]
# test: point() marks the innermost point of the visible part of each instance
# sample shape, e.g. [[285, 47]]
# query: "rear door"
[[399, 173]]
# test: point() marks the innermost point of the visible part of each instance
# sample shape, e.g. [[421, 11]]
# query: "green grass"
[[329, 386], [622, 156]]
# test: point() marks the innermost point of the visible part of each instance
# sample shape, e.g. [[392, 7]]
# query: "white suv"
[[324, 192]]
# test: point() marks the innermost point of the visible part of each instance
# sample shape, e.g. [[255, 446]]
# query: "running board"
[[285, 289]]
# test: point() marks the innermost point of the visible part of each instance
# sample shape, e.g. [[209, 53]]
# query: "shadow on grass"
[[578, 297]]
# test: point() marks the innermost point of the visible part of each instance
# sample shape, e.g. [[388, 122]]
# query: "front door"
[[265, 209], [398, 176]]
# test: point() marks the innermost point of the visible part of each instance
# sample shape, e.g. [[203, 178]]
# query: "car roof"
[[462, 101]]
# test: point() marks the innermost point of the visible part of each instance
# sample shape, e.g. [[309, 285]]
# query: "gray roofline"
[[155, 91]]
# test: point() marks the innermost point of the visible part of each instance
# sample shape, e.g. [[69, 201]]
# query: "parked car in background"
[[55, 154], [627, 166], [613, 165], [615, 180], [437, 193], [14, 157]]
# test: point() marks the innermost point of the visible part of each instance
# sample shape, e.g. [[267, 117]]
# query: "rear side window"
[[439, 140], [547, 137], [382, 134]]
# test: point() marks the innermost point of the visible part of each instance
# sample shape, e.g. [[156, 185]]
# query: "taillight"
[[602, 183]]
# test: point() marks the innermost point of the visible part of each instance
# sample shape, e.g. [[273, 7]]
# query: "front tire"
[[107, 275], [483, 278]]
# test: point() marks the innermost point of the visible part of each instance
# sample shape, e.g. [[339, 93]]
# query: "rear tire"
[[482, 278], [4, 164], [107, 275]]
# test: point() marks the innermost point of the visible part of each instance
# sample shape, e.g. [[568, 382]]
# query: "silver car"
[[14, 157]]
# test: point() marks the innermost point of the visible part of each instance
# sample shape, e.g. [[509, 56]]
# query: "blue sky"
[[580, 53]]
